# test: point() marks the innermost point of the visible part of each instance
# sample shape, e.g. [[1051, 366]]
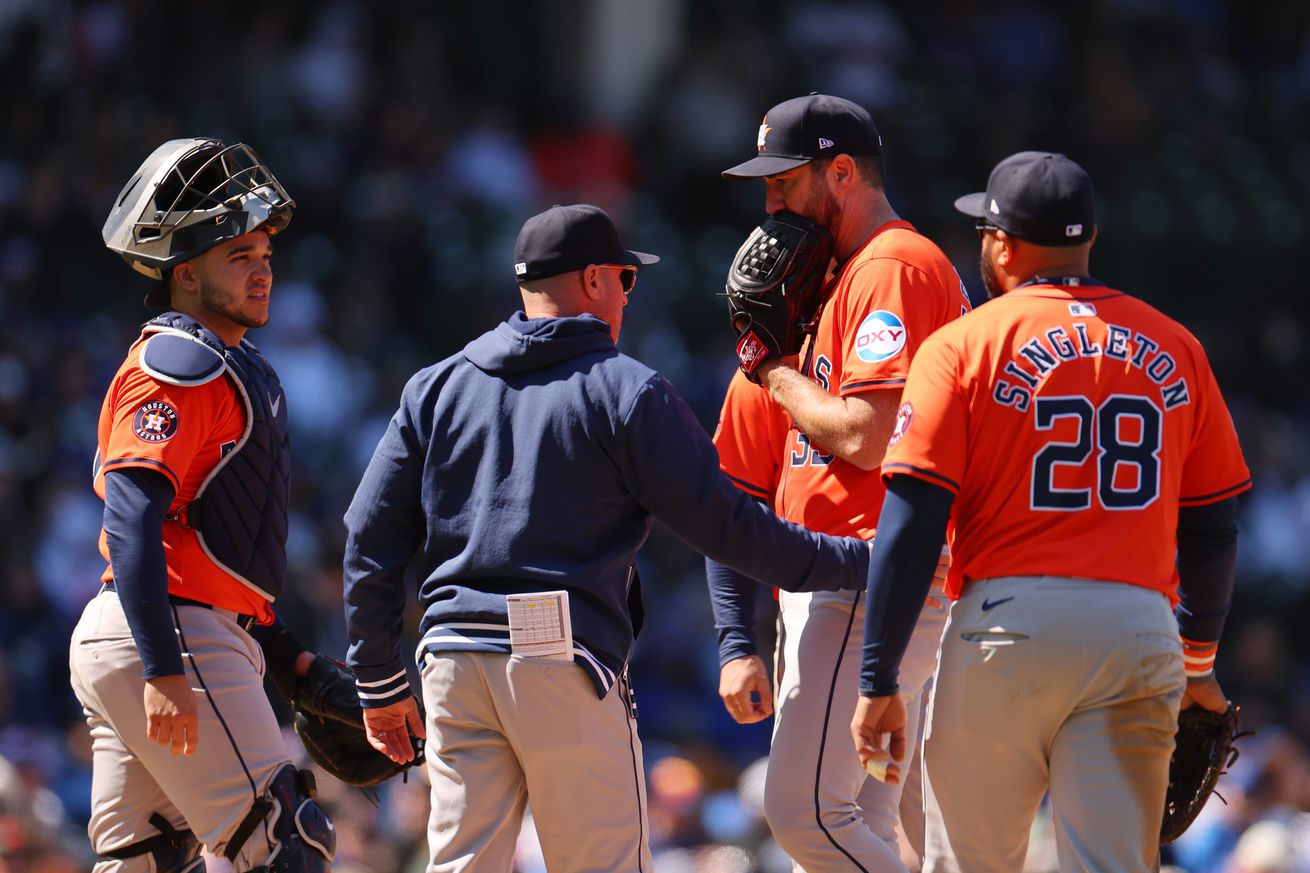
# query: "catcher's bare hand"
[[1205, 693], [745, 689], [171, 715], [389, 727], [874, 718]]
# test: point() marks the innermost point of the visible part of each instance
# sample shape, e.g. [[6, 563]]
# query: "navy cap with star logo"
[[802, 129]]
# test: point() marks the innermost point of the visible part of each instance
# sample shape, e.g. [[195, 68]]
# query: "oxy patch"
[[881, 336]]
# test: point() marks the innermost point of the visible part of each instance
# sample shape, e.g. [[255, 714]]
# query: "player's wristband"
[[1198, 658]]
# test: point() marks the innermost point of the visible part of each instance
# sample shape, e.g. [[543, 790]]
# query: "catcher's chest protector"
[[240, 512]]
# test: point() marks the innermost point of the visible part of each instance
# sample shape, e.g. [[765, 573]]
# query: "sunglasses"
[[982, 225], [627, 275]]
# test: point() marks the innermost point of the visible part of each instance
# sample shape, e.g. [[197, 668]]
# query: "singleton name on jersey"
[[1040, 355]]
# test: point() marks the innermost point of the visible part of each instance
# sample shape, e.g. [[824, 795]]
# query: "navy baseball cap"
[[799, 130], [567, 238], [1041, 197]]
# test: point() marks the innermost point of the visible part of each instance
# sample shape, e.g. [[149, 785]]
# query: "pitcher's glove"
[[342, 750], [1203, 752], [775, 286]]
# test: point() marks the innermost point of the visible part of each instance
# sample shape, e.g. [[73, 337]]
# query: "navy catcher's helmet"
[[189, 196]]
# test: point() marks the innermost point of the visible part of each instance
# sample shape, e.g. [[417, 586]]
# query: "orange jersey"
[[750, 437], [1071, 422], [886, 300], [181, 432]]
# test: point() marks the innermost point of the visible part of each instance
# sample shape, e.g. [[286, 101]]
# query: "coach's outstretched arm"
[[672, 468]]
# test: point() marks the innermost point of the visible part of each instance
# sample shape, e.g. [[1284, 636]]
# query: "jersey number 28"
[[1127, 473]]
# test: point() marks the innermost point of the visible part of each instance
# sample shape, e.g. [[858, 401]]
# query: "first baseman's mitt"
[[342, 749], [1203, 752], [328, 691], [774, 287], [328, 717]]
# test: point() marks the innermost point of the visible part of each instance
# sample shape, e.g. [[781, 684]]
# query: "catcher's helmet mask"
[[187, 197]]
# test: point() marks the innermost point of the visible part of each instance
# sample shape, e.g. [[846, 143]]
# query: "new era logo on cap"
[[825, 143], [520, 269], [994, 209]]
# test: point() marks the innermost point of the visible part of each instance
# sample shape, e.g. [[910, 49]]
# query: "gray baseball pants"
[[824, 810], [240, 746], [1059, 684], [504, 731]]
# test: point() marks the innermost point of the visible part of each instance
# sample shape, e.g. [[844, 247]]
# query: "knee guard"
[[298, 829], [172, 850]]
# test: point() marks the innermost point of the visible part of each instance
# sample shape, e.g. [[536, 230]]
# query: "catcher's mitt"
[[774, 287], [342, 749], [1203, 752]]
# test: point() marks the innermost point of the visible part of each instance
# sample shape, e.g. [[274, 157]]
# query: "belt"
[[245, 622]]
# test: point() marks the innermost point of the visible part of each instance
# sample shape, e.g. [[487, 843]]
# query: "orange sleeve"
[[751, 437], [882, 332], [1214, 469], [159, 426], [931, 438]]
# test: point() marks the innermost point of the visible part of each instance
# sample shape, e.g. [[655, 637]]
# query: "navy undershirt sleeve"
[[136, 501], [1207, 565], [732, 599], [906, 548]]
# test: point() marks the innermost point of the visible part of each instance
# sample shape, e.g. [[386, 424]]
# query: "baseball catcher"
[[774, 288], [1204, 750]]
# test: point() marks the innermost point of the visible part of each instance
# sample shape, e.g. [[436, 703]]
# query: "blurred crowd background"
[[416, 138]]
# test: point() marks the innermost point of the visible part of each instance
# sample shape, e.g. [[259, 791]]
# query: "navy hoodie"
[[534, 460]]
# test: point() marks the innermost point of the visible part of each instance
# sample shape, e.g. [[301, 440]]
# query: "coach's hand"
[[874, 717], [388, 729], [745, 689], [171, 717]]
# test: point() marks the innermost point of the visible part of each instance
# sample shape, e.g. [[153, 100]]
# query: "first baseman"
[[193, 465], [810, 439], [529, 469], [1078, 440]]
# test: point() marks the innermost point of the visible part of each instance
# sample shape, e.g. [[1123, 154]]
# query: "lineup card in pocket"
[[539, 625]]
